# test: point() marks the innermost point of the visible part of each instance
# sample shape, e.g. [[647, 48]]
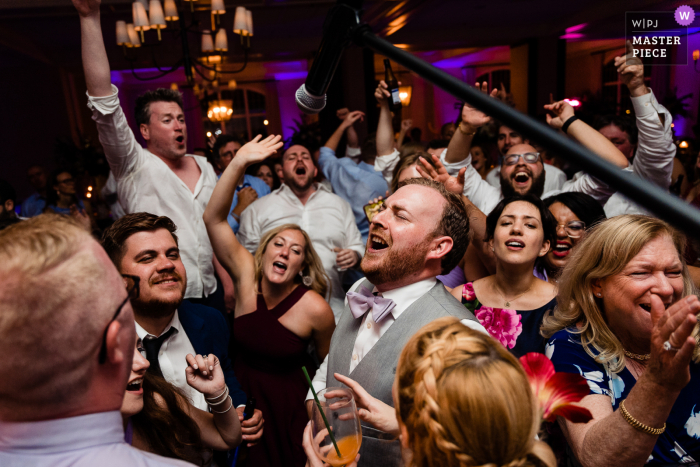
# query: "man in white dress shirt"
[[161, 179], [421, 231], [326, 218], [67, 330]]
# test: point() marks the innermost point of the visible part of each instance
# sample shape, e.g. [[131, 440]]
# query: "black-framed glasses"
[[573, 229], [529, 157], [132, 293]]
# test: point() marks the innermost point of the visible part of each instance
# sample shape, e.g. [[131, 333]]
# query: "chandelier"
[[152, 15], [220, 110]]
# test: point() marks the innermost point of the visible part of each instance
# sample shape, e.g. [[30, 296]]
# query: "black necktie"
[[152, 346]]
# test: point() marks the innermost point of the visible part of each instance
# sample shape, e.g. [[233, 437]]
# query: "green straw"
[[320, 409]]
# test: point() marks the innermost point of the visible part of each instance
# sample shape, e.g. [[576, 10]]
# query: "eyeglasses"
[[528, 157], [132, 293], [573, 229], [67, 180]]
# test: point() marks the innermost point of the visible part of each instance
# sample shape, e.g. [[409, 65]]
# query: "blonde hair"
[[53, 310], [405, 162], [604, 252], [465, 400], [313, 267]]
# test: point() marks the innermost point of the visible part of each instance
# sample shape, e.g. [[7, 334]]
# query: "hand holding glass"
[[339, 408]]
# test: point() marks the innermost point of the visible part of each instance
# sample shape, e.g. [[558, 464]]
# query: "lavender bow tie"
[[363, 301]]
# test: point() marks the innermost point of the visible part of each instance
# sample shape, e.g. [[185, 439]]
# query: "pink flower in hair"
[[503, 324]]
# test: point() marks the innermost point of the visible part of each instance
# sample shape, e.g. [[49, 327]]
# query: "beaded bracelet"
[[229, 408], [637, 425]]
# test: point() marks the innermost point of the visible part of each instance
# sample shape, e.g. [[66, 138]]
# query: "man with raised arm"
[[161, 179]]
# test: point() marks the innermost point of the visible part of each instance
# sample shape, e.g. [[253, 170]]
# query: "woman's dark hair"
[[51, 195], [270, 164], [168, 431], [584, 206], [548, 222]]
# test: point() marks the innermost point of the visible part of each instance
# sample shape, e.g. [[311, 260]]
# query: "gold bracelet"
[[464, 132], [637, 425]]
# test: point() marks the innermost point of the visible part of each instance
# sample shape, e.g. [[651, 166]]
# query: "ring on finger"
[[669, 348]]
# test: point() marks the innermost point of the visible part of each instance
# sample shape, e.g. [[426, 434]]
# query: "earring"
[[492, 249], [599, 295], [306, 280]]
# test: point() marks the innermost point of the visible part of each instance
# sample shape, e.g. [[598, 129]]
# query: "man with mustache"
[[146, 246], [421, 231], [326, 217], [162, 178]]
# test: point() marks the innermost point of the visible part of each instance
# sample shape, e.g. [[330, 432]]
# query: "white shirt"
[[387, 164], [146, 184], [326, 218], [173, 362], [653, 160], [554, 178], [85, 441], [370, 332]]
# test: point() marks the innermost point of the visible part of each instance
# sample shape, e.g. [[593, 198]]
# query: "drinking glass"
[[338, 405]]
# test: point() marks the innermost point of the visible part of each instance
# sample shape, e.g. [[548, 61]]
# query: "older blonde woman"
[[279, 309], [461, 400], [626, 322]]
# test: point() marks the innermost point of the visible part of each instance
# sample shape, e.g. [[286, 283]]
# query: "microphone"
[[337, 28]]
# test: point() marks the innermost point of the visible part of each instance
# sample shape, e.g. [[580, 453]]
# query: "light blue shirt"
[[33, 206], [260, 187], [88, 440], [355, 183]]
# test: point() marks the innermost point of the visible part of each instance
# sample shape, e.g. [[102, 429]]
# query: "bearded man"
[[325, 217], [421, 231]]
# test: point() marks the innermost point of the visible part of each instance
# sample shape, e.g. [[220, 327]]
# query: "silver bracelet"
[[229, 408], [221, 401], [222, 393]]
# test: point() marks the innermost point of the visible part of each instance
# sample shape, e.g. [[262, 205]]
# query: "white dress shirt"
[[326, 218], [146, 184], [85, 441], [173, 362], [387, 164], [653, 160], [370, 332], [554, 178]]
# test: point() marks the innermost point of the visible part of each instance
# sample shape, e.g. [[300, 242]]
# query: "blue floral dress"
[[680, 443]]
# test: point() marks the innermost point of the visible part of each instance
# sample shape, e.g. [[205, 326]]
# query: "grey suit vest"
[[376, 371]]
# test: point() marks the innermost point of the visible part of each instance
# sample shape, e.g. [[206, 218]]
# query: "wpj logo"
[[661, 36]]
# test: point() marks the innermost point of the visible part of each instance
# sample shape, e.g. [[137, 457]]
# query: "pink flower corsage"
[[468, 292], [503, 324]]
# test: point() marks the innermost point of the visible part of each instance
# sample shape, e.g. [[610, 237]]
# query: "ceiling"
[[290, 30]]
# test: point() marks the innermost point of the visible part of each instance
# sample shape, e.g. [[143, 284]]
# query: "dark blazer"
[[207, 330]]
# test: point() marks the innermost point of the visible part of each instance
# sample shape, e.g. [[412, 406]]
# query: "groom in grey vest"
[[421, 231]]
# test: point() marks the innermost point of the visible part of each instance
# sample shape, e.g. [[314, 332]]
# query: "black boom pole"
[[653, 198]]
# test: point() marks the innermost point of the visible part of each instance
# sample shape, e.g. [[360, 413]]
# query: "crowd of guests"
[[416, 275]]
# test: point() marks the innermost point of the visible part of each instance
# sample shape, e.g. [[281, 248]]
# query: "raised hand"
[[371, 410], [671, 368], [382, 93], [204, 374], [439, 174], [631, 71], [352, 117], [87, 7], [471, 116], [342, 113], [562, 111], [345, 258], [406, 125], [257, 150]]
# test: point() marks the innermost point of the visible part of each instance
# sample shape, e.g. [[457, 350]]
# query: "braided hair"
[[465, 400]]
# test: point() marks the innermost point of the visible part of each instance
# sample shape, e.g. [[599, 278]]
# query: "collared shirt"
[[146, 183], [173, 362], [554, 178], [33, 206], [260, 187], [653, 160], [326, 218], [370, 332], [85, 441], [355, 183]]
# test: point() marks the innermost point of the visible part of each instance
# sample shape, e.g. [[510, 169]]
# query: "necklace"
[[507, 302], [638, 357]]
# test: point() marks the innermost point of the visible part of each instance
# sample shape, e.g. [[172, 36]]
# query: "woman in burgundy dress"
[[280, 309]]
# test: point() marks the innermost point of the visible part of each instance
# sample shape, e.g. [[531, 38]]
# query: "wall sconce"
[[405, 95], [683, 145]]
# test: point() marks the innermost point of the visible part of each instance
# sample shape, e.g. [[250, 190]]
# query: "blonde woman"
[[279, 310], [461, 400], [626, 322]]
